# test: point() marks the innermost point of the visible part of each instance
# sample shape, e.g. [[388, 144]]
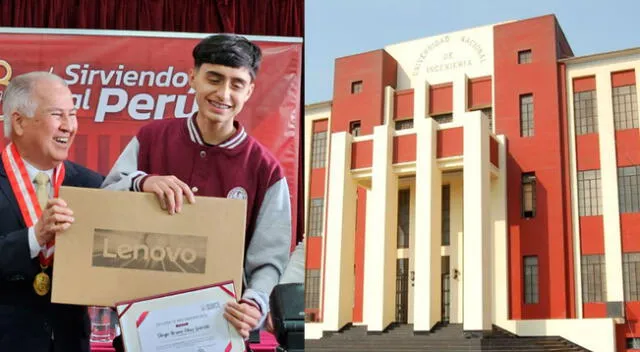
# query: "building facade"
[[481, 177]]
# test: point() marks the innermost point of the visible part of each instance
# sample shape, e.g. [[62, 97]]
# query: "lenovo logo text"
[[149, 251]]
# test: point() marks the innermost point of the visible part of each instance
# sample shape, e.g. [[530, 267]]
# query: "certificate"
[[181, 321]]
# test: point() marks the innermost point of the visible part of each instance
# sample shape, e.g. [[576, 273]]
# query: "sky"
[[336, 28]]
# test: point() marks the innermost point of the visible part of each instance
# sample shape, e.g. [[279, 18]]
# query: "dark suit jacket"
[[26, 319]]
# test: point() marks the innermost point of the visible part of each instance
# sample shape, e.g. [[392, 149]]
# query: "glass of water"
[[103, 324]]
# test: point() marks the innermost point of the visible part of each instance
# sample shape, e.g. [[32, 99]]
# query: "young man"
[[210, 154], [40, 120]]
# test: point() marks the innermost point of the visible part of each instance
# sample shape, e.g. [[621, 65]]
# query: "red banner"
[[121, 82]]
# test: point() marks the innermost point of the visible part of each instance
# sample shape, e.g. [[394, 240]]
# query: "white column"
[[457, 255], [412, 256], [575, 215], [339, 251], [428, 213], [500, 257], [380, 235], [460, 94], [477, 245], [389, 96], [637, 70], [609, 182]]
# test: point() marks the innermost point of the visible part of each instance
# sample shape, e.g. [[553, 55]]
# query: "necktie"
[[42, 189]]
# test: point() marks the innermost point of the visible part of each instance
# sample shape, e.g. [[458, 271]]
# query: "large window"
[[531, 279], [315, 217], [631, 276], [629, 189], [585, 109], [625, 107], [528, 195], [526, 115], [318, 149], [312, 289], [589, 193], [446, 215], [593, 278]]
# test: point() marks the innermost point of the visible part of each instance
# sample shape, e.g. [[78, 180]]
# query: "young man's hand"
[[243, 316], [170, 192]]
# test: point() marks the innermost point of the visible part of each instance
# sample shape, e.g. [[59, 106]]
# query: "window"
[[625, 107], [633, 343], [404, 124], [528, 195], [404, 216], [531, 279], [354, 128], [585, 109], [629, 189], [593, 278], [526, 115], [446, 215], [631, 276], [488, 112], [444, 118], [316, 211], [356, 87], [589, 193], [312, 289], [524, 56], [318, 150]]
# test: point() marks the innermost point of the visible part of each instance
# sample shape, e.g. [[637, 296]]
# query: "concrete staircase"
[[442, 338]]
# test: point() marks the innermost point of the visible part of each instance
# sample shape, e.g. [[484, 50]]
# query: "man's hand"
[[243, 316], [56, 217], [170, 192]]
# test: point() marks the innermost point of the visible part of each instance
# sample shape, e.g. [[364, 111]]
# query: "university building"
[[485, 177]]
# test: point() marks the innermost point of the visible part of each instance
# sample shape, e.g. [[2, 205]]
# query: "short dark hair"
[[228, 50]]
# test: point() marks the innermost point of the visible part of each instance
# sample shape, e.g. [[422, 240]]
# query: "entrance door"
[[445, 312], [403, 261], [402, 290]]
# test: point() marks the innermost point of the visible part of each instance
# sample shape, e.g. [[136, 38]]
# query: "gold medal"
[[42, 283]]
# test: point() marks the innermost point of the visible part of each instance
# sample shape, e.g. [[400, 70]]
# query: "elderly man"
[[40, 121]]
